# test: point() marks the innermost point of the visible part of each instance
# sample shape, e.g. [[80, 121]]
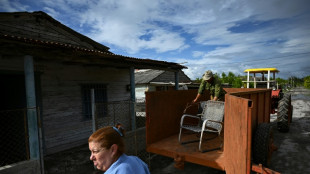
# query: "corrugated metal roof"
[[40, 26], [85, 49], [152, 76], [144, 77]]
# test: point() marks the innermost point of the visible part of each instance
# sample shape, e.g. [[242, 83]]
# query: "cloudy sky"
[[220, 35]]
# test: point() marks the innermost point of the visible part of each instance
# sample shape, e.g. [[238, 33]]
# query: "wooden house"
[[47, 71]]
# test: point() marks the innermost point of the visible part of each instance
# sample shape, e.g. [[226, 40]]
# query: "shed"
[[47, 71], [158, 80]]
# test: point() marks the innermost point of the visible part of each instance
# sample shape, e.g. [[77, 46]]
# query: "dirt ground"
[[292, 156]]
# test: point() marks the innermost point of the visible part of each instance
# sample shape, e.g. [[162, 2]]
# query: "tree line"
[[235, 81]]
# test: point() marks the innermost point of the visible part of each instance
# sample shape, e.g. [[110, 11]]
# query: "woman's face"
[[103, 158]]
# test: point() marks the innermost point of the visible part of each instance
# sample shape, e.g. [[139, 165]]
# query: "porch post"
[[248, 80], [254, 80], [274, 80], [132, 98], [93, 109], [31, 108], [268, 79], [176, 77]]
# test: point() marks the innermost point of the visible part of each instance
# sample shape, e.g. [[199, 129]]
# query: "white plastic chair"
[[210, 120]]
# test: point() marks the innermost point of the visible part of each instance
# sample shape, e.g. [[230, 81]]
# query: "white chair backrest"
[[214, 110]]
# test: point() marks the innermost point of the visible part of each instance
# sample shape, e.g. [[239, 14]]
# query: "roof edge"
[[42, 14]]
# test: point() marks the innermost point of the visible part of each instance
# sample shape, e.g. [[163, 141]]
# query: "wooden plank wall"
[[164, 110], [11, 63], [244, 110], [63, 121], [236, 134], [260, 97]]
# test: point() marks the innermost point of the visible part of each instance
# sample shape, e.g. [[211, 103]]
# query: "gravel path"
[[293, 155]]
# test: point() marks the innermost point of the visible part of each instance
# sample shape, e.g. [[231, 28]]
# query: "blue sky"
[[223, 36]]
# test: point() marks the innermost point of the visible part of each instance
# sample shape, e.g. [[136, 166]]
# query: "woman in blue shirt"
[[107, 152]]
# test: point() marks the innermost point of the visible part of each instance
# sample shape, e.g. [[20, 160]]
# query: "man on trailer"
[[213, 85]]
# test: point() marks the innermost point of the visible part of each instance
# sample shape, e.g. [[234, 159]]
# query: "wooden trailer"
[[245, 110]]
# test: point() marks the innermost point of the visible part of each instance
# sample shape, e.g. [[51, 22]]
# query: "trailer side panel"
[[236, 134], [164, 110]]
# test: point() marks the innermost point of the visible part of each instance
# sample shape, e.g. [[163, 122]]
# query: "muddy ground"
[[292, 156]]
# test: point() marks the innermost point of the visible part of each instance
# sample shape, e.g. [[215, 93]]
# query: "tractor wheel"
[[287, 95], [263, 144], [291, 115], [284, 114]]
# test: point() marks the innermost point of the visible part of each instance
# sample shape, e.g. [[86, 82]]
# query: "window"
[[100, 97]]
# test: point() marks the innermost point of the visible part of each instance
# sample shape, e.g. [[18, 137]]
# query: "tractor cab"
[[262, 81], [280, 102]]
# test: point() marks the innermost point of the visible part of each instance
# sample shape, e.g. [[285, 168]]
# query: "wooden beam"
[[31, 108], [262, 170]]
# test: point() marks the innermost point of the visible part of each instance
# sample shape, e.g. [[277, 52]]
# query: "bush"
[[307, 82]]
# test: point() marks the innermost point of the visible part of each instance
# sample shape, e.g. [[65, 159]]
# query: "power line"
[[270, 58]]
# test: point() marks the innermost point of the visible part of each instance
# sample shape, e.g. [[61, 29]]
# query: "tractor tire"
[[284, 114], [283, 107], [287, 95], [283, 123], [262, 144], [284, 103], [291, 115]]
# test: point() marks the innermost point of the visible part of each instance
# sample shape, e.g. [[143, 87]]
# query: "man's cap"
[[208, 75]]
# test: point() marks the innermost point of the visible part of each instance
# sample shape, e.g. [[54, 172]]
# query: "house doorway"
[[13, 119]]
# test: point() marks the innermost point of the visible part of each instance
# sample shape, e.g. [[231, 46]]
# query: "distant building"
[[158, 80]]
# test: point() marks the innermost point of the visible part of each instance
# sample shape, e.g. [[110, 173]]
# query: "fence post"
[[32, 116], [31, 108], [93, 108], [133, 98], [176, 77]]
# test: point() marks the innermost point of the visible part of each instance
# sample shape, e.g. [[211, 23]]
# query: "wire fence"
[[140, 114], [14, 145], [111, 113], [13, 136]]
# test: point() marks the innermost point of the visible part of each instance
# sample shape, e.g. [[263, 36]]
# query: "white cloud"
[[277, 9], [123, 23], [178, 26], [51, 11], [163, 41], [296, 46], [198, 53], [12, 6]]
